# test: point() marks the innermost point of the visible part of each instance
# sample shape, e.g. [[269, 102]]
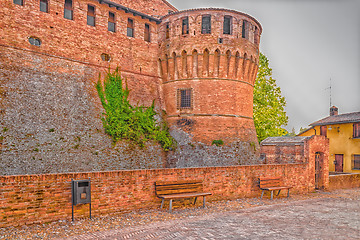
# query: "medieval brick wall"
[[51, 119], [42, 198], [50, 111]]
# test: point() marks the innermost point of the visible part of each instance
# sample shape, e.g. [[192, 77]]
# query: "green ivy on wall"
[[121, 120]]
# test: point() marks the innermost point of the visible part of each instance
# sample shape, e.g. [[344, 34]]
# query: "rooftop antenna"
[[330, 92]]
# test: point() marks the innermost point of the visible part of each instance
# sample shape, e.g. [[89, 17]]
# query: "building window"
[[147, 33], [184, 97], [35, 41], [130, 28], [206, 24], [245, 30], [44, 6], [167, 33], [111, 22], [68, 10], [105, 57], [356, 133], [185, 25], [227, 24], [323, 131], [19, 2], [356, 161], [91, 15]]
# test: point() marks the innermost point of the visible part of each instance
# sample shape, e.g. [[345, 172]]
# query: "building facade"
[[343, 132]]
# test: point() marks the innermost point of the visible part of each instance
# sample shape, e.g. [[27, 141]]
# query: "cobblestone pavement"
[[319, 218]]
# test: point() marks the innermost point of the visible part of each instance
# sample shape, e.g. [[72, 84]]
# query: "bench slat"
[[161, 183], [183, 195]]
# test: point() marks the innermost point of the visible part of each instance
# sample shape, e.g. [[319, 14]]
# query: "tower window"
[[206, 24], [185, 25], [147, 33], [184, 98], [111, 22], [44, 6], [91, 15], [167, 33], [227, 24], [19, 2], [68, 10], [130, 28], [245, 30]]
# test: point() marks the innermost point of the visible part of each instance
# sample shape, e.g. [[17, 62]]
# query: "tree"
[[269, 105]]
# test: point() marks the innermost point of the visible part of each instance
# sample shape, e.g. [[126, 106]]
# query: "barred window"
[[130, 28], [147, 33], [356, 161], [227, 24], [323, 131], [206, 24], [356, 133], [44, 6], [91, 15], [185, 25], [111, 22], [68, 10], [184, 98]]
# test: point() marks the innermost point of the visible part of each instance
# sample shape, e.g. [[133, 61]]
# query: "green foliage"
[[123, 121], [218, 142], [269, 105]]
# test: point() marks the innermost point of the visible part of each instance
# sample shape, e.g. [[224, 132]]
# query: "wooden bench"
[[272, 184], [180, 189]]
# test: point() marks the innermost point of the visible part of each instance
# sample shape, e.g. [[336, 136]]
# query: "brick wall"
[[344, 181], [26, 199]]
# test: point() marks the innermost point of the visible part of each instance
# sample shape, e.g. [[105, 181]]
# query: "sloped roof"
[[284, 140], [336, 119]]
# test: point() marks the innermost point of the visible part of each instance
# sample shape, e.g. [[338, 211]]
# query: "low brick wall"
[[344, 181], [27, 199]]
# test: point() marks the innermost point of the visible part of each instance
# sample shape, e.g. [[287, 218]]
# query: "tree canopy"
[[269, 106]]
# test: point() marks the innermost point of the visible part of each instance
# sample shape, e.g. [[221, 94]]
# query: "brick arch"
[[227, 62], [184, 64], [175, 66], [237, 61], [217, 54]]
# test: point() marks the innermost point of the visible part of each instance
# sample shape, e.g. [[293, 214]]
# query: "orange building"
[[343, 131]]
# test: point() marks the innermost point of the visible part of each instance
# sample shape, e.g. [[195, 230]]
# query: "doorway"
[[318, 165], [339, 161]]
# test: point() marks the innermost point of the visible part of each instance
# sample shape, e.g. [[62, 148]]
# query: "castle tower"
[[208, 63]]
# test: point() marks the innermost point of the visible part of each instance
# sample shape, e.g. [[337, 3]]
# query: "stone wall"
[[27, 199], [51, 118]]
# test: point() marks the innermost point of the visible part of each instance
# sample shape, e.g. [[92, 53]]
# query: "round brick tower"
[[208, 63]]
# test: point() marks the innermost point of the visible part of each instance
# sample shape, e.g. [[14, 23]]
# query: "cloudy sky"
[[307, 42]]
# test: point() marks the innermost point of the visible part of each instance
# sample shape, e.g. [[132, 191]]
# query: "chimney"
[[334, 111]]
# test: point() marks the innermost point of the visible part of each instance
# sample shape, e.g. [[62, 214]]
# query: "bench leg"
[[278, 193], [170, 206], [162, 203], [262, 194], [204, 202], [272, 194], [288, 192], [195, 200]]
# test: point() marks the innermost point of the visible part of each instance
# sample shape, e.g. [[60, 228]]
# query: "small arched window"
[[35, 41]]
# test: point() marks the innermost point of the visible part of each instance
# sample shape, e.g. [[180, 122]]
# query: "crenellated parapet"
[[213, 54]]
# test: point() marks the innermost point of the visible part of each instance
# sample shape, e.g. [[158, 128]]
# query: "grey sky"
[[307, 43]]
